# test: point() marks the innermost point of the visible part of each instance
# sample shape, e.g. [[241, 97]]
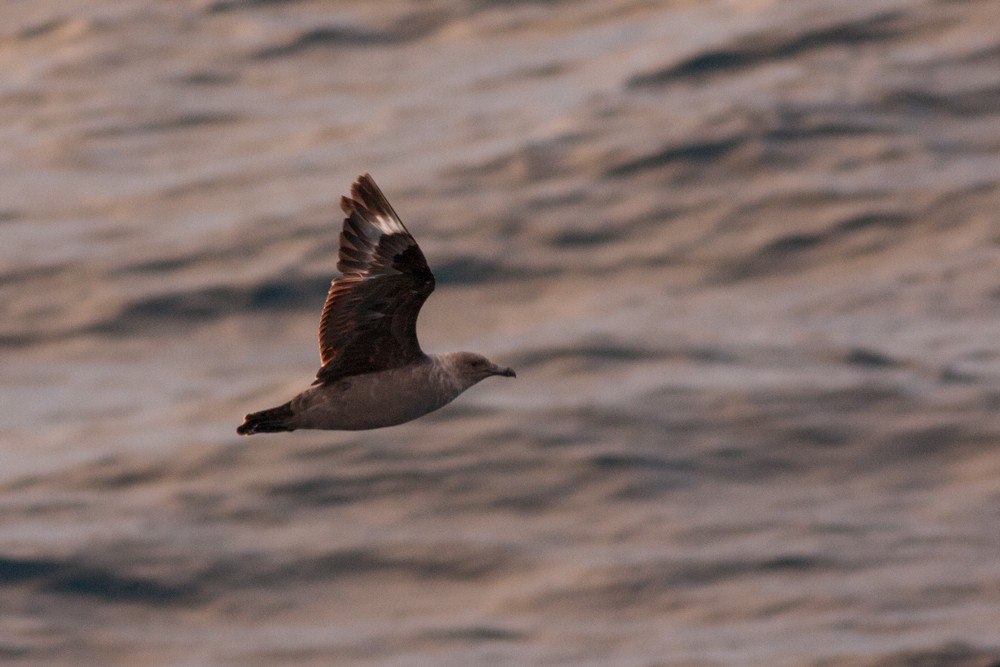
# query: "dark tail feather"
[[268, 421]]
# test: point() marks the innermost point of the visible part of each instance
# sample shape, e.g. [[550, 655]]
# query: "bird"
[[373, 373]]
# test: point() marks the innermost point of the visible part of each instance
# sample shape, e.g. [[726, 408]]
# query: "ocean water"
[[744, 256]]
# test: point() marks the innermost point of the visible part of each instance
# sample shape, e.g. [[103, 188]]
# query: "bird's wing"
[[369, 321]]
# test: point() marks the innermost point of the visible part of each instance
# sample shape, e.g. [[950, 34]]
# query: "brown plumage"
[[369, 322], [373, 371]]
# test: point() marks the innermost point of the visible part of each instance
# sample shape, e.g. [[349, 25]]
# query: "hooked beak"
[[505, 371]]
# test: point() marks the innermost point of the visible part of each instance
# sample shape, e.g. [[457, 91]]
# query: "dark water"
[[744, 256]]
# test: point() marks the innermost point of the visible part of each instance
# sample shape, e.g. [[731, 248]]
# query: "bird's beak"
[[504, 371]]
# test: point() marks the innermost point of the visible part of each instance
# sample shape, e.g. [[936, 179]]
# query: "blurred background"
[[744, 255]]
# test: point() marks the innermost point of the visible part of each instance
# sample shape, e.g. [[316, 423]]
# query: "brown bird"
[[374, 373]]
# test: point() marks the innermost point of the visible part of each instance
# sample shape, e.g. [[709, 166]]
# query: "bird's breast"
[[374, 400]]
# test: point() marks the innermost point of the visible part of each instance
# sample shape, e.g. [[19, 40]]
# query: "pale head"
[[470, 367]]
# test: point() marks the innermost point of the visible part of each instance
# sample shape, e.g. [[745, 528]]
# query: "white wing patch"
[[387, 224]]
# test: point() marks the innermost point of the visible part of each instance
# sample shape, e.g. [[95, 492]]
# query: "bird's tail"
[[268, 421]]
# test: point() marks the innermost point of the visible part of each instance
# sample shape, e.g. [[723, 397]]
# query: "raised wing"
[[369, 321]]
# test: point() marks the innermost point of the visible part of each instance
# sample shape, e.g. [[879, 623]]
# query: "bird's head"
[[476, 367]]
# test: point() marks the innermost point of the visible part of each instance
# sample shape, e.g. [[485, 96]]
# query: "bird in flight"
[[373, 372]]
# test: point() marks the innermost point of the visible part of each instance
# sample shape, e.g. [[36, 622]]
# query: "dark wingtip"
[[362, 187], [368, 197], [347, 205]]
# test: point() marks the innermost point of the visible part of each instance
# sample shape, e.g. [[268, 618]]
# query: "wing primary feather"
[[369, 318]]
